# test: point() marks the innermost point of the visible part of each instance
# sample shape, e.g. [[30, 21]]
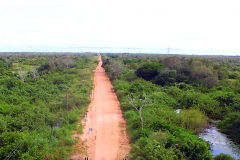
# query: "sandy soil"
[[104, 135]]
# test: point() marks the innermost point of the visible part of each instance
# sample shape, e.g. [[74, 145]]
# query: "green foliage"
[[165, 77], [231, 126], [191, 146], [162, 145], [129, 76], [159, 115], [223, 156], [192, 119], [148, 71], [162, 98], [204, 88], [3, 65], [153, 148], [188, 99], [121, 85], [10, 141], [120, 93], [34, 122]]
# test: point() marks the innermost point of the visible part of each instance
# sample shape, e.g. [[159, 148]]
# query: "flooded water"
[[220, 143]]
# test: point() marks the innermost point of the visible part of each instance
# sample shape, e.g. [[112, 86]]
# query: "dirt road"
[[104, 127]]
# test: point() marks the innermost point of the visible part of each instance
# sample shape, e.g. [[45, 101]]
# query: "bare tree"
[[116, 68], [202, 72], [22, 74], [52, 62], [67, 62], [34, 73], [138, 102], [211, 81], [172, 62]]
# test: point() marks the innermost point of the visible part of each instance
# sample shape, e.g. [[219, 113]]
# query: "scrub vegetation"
[[152, 89], [42, 96]]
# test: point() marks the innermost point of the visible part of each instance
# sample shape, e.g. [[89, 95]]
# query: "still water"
[[220, 143]]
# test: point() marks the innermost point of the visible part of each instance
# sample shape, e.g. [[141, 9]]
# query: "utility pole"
[[67, 97]]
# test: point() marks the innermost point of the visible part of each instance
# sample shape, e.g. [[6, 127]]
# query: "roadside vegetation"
[[152, 89], [42, 96]]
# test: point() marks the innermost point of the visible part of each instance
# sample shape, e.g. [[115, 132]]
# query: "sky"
[[120, 25]]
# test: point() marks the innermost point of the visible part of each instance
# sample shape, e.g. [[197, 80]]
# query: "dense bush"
[[199, 86], [223, 157], [231, 126], [148, 71], [35, 121]]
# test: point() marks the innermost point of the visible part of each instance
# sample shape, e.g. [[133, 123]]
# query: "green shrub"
[[120, 94], [223, 156]]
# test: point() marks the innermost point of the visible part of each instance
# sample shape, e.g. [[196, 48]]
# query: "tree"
[[153, 148], [116, 68], [230, 125], [201, 73], [34, 73], [67, 62], [138, 102], [148, 71], [223, 156], [192, 119], [191, 146], [211, 81], [165, 76], [222, 73], [22, 74], [172, 63]]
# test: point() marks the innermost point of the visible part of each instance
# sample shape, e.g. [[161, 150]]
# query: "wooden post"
[[67, 97]]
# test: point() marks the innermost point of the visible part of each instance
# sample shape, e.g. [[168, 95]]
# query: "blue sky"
[[48, 25]]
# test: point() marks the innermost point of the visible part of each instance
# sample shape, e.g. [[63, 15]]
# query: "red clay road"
[[104, 131]]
